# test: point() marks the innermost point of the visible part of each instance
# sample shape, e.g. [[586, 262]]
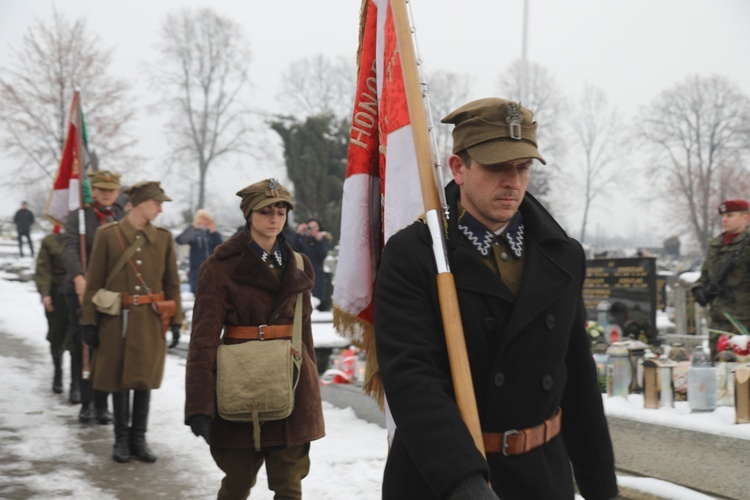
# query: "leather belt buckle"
[[260, 332], [507, 434], [135, 300]]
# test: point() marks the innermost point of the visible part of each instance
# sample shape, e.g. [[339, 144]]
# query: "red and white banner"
[[382, 193], [65, 196]]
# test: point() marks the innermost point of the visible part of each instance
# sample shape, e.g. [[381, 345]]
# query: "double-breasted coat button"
[[549, 321], [499, 379], [504, 256], [137, 287], [489, 324], [138, 249], [139, 262], [547, 382]]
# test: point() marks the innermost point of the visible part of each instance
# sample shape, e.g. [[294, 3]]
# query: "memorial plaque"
[[621, 293]]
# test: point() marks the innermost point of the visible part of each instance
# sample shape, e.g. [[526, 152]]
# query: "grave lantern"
[[657, 383], [701, 387], [742, 393], [619, 372], [726, 362], [636, 352]]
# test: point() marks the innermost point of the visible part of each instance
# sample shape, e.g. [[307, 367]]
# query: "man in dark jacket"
[[519, 281], [105, 188], [23, 220], [730, 293]]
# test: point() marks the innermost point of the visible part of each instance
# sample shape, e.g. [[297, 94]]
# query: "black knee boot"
[[57, 379], [76, 374], [103, 416], [138, 446], [121, 408]]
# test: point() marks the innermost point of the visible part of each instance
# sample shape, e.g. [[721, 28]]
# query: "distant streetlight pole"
[[524, 63]]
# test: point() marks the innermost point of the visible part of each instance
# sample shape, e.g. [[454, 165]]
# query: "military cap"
[[104, 179], [263, 193], [494, 130], [144, 191], [734, 206]]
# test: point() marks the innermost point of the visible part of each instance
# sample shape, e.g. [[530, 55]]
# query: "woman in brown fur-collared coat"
[[250, 280]]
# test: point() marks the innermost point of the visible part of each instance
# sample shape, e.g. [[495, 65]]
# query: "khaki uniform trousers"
[[285, 467]]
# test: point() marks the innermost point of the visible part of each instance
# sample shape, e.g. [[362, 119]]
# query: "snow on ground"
[[348, 463]]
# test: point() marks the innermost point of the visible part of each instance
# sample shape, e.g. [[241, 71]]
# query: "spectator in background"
[[203, 239], [49, 277], [727, 292], [314, 242], [23, 221]]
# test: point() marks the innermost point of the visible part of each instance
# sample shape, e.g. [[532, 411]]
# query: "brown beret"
[[104, 179], [263, 193], [144, 191], [494, 130], [734, 206]]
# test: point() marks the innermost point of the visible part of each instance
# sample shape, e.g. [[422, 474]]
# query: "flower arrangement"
[[728, 341], [739, 344], [595, 331]]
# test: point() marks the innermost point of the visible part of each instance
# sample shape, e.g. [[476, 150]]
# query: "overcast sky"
[[632, 50]]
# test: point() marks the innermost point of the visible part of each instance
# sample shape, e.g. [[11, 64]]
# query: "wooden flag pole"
[[454, 333]]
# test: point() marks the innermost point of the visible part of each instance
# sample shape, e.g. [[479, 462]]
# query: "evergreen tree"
[[315, 156]]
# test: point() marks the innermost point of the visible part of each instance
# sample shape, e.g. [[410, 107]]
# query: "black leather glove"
[[175, 336], [90, 335], [472, 488], [200, 424], [700, 296]]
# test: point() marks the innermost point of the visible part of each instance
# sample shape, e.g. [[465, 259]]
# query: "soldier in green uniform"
[[730, 293], [130, 348], [49, 277]]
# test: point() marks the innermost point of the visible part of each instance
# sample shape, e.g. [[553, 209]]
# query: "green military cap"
[[104, 179], [144, 191], [494, 130], [263, 193]]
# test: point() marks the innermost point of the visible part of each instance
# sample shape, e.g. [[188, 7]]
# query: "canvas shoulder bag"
[[106, 301], [256, 380]]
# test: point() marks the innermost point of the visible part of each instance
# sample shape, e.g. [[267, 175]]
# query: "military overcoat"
[[49, 276], [529, 355], [735, 297], [235, 287], [134, 358]]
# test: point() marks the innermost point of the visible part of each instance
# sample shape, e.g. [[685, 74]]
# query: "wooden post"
[[454, 334]]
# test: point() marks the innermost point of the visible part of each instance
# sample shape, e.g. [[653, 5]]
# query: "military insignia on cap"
[[274, 185], [514, 119], [723, 208], [107, 178]]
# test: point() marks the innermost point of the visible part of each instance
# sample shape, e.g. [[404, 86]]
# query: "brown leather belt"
[[262, 332], [517, 442], [136, 300]]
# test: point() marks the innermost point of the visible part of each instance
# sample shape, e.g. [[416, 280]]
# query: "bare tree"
[[600, 137], [700, 133], [548, 103], [446, 91], [318, 86], [202, 69], [54, 59]]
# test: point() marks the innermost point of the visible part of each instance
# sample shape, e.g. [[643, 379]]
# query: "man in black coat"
[[519, 281], [105, 189], [23, 219]]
